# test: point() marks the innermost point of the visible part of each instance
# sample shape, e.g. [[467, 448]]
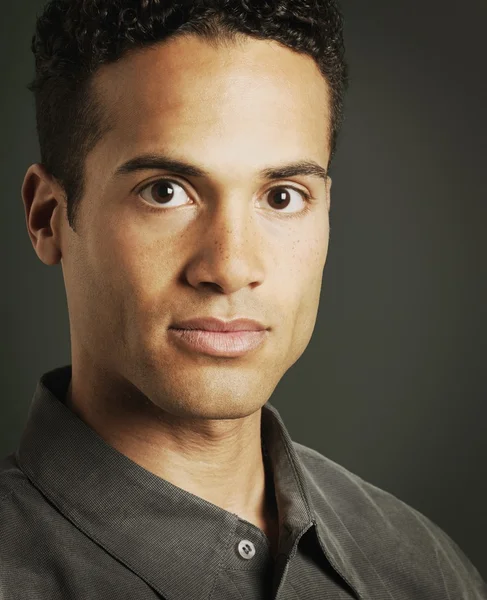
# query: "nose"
[[231, 249]]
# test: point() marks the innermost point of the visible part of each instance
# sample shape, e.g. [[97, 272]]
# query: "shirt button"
[[246, 549]]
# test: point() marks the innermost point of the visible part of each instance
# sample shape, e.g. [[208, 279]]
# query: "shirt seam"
[[236, 588]]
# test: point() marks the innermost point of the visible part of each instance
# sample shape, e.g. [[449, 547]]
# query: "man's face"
[[229, 244]]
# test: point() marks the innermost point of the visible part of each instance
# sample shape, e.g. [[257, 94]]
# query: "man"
[[184, 189]]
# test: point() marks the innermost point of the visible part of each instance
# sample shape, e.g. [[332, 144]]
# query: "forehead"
[[252, 97]]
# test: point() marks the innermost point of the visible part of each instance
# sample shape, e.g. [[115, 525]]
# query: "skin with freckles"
[[228, 244]]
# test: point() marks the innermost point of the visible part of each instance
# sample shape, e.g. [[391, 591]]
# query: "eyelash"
[[307, 197]]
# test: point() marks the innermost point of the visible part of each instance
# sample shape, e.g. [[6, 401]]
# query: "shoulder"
[[401, 539], [46, 554], [31, 533], [23, 510]]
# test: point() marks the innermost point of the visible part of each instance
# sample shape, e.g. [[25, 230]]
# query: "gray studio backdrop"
[[393, 384]]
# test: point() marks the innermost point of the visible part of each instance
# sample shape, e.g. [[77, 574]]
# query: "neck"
[[220, 461]]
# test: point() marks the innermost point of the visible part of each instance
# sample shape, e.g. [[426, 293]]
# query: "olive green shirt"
[[79, 520]]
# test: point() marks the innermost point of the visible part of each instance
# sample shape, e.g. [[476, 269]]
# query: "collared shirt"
[[80, 520]]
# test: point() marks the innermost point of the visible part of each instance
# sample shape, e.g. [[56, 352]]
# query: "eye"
[[280, 196], [163, 192]]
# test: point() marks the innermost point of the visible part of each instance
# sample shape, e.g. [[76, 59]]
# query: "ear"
[[42, 200]]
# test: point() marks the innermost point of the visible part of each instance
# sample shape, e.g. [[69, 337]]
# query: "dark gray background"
[[393, 384]]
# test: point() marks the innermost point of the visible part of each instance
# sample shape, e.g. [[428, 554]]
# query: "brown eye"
[[162, 192], [281, 197]]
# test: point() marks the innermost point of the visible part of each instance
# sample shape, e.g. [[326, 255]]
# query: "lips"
[[214, 337], [214, 324]]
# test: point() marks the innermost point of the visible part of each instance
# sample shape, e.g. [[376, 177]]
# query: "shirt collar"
[[98, 488]]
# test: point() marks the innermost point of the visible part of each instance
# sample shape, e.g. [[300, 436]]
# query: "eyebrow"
[[179, 167]]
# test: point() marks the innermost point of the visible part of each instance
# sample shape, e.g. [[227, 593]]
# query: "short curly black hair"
[[74, 37]]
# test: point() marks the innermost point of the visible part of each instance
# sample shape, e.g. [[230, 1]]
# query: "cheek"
[[142, 269], [304, 284], [110, 282], [126, 257], [307, 258], [304, 320]]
